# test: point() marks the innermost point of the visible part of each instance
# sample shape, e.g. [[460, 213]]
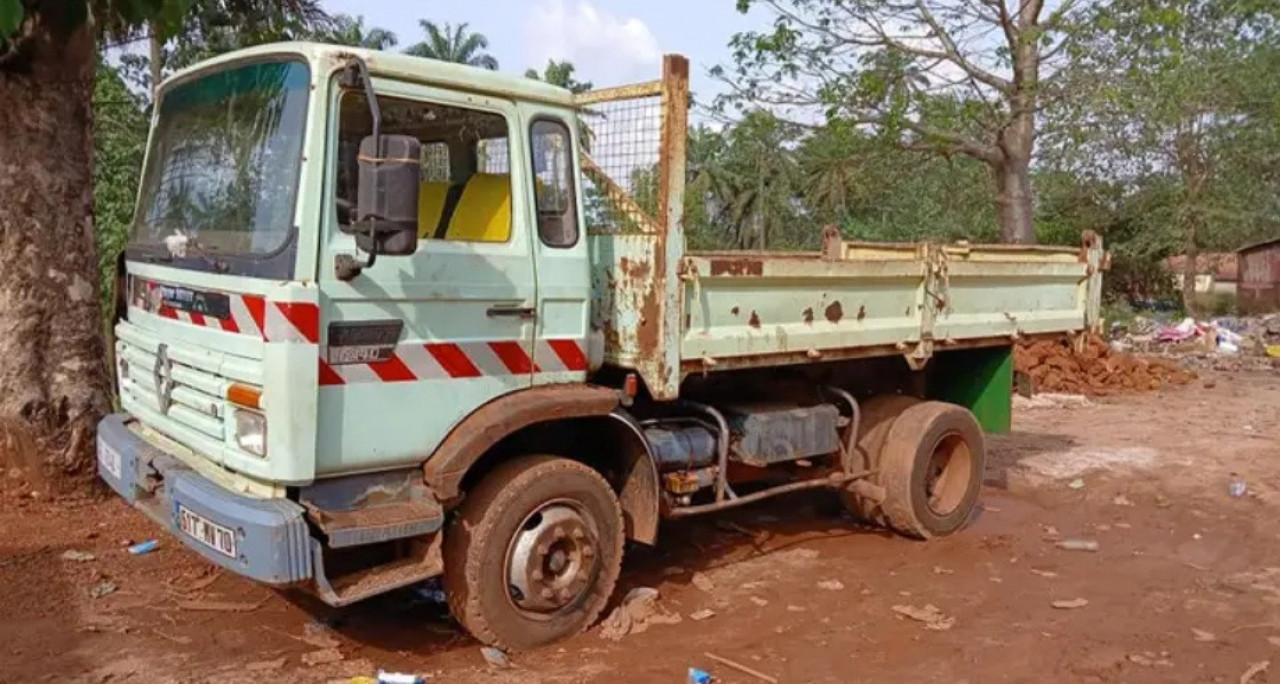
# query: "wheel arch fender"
[[583, 422]]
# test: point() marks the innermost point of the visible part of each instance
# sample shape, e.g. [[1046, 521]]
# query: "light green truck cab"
[[386, 318]]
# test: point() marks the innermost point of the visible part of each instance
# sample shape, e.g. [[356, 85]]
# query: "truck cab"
[[386, 318]]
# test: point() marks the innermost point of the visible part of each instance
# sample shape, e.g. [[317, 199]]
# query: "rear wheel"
[[931, 469], [533, 553], [877, 416]]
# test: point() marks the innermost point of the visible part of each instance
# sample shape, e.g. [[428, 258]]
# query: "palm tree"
[[559, 74], [351, 31], [451, 43]]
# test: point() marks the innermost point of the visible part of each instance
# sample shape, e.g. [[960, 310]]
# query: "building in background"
[[1217, 273], [1259, 285]]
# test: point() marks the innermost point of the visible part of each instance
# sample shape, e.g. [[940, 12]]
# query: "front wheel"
[[534, 552]]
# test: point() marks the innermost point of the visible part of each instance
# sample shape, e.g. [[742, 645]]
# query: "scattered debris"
[[759, 601], [144, 547], [1238, 487], [77, 556], [1044, 573], [399, 678], [673, 571], [222, 606], [1070, 604], [1254, 670], [939, 570], [638, 610], [741, 668], [265, 665], [1202, 635], [495, 657], [103, 588], [322, 657], [1051, 400], [1078, 545], [1077, 483], [929, 615], [703, 582], [1121, 500], [795, 609], [697, 676], [431, 591], [704, 614], [318, 634], [1274, 640], [1050, 532], [990, 509], [1149, 659], [831, 585]]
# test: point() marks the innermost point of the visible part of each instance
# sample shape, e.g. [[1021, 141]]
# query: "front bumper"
[[273, 543]]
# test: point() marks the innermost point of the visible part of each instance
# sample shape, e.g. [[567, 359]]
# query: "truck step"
[[383, 522], [425, 563]]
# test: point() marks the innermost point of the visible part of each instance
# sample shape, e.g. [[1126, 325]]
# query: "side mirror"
[[387, 196]]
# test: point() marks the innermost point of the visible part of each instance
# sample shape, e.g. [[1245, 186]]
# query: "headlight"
[[251, 431]]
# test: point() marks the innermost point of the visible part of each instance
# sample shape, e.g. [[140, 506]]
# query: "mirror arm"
[[346, 267]]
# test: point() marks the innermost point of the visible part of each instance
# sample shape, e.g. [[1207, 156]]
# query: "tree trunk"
[[156, 61], [1013, 202], [1190, 267], [52, 372]]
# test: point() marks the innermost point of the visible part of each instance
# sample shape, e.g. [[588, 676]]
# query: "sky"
[[610, 42]]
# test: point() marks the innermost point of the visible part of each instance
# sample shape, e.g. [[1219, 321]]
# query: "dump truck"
[[384, 319]]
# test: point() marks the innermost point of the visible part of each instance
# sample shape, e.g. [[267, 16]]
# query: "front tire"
[[534, 552]]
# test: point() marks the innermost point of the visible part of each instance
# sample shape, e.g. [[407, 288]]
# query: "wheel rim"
[[947, 481], [551, 559]]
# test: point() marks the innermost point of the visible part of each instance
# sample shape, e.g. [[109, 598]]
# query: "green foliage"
[[450, 43], [559, 74], [351, 31], [120, 137]]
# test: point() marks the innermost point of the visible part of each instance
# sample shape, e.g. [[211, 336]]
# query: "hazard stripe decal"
[[457, 361]]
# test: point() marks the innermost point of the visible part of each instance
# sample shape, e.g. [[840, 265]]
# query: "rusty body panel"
[[665, 313], [1258, 290], [480, 431]]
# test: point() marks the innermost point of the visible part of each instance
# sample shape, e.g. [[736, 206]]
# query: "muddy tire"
[[533, 553], [931, 469], [878, 415]]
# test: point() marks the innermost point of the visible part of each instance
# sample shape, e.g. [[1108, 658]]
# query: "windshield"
[[222, 174]]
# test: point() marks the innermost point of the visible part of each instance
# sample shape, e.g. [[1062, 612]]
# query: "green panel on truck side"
[[981, 380]]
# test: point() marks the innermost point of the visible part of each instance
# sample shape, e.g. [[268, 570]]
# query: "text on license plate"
[[211, 534]]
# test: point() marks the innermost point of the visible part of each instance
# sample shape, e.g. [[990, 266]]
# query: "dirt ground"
[[1185, 585]]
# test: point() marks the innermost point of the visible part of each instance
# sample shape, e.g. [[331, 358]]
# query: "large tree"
[[450, 43], [1178, 97], [51, 342], [949, 77]]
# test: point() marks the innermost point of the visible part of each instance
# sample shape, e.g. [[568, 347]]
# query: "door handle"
[[511, 311]]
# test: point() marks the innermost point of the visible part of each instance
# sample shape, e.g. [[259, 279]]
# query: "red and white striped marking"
[[463, 360], [252, 315]]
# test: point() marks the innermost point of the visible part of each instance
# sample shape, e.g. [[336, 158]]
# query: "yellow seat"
[[431, 201], [484, 210]]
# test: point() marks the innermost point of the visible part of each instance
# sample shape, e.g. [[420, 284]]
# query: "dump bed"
[[665, 313]]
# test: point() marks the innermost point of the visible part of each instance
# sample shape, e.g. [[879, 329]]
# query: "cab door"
[[414, 344], [559, 246]]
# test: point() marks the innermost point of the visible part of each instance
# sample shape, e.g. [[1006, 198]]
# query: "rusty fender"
[[491, 423]]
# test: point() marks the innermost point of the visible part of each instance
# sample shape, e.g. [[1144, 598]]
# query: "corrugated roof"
[[1264, 243]]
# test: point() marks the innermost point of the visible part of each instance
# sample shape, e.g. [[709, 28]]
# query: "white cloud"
[[606, 48]]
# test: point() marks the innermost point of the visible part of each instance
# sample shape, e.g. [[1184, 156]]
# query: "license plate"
[[109, 458], [207, 532]]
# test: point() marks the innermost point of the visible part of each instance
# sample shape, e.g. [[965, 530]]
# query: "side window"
[[465, 192], [553, 182]]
